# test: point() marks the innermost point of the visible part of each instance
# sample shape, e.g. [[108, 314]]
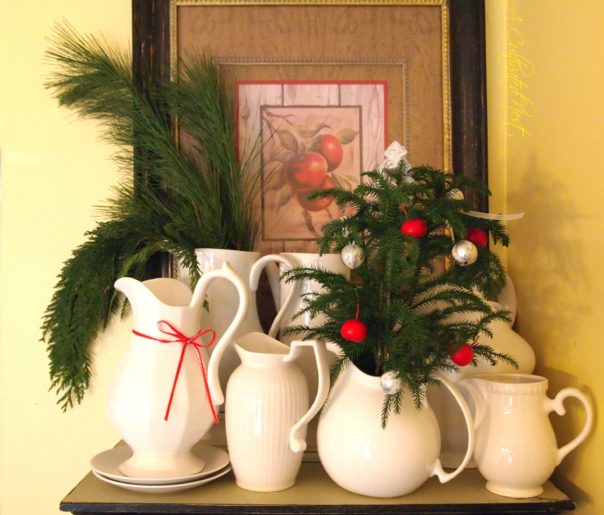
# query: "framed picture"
[[354, 75]]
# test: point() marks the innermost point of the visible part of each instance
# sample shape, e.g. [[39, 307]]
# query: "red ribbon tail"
[[182, 357]]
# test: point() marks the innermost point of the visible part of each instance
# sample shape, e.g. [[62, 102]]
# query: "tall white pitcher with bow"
[[160, 398]]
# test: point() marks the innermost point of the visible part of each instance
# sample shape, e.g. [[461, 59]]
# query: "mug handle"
[[297, 443], [255, 272], [557, 404], [437, 468]]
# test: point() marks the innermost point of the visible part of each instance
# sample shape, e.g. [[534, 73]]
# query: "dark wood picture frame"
[[151, 29]]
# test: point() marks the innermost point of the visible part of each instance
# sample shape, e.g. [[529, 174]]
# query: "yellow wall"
[[547, 159], [54, 170]]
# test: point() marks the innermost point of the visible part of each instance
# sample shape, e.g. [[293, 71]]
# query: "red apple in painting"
[[306, 171], [317, 204], [330, 148]]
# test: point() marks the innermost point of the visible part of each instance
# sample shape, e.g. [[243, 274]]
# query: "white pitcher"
[[223, 298], [503, 340], [267, 411], [361, 456], [330, 262], [516, 449], [159, 398]]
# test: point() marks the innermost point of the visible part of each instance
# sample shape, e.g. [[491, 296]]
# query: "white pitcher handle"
[[437, 468], [557, 404], [255, 272], [477, 397], [297, 443], [226, 272]]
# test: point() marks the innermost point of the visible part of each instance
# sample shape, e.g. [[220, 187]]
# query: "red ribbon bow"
[[181, 338]]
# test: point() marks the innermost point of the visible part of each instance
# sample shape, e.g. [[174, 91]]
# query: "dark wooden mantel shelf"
[[314, 492]]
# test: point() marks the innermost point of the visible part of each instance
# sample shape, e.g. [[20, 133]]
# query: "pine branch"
[[205, 189], [416, 312], [69, 324], [486, 352], [193, 195]]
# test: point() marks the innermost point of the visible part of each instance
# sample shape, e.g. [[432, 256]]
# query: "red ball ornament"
[[478, 237], [415, 228], [354, 330], [463, 356]]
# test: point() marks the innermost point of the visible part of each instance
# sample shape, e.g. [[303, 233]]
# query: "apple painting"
[[307, 137], [306, 150]]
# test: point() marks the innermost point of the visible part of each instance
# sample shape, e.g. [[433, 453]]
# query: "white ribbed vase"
[[267, 412]]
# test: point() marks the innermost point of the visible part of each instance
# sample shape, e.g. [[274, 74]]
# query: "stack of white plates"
[[105, 466]]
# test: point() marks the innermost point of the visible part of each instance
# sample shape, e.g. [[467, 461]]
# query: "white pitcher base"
[[162, 467], [264, 487], [518, 493], [378, 491]]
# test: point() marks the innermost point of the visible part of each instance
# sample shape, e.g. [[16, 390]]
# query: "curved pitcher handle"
[[477, 397], [297, 443], [557, 404], [225, 272], [255, 272], [437, 468]]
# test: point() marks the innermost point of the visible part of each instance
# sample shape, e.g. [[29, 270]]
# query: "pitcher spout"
[[148, 293], [138, 295], [261, 343]]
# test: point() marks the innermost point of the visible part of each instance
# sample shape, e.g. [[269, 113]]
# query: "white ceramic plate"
[[107, 462], [163, 489]]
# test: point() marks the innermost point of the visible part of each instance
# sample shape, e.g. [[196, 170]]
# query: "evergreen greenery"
[[415, 309], [187, 196]]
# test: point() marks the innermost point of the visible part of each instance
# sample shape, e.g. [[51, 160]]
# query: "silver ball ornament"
[[352, 255], [464, 253], [391, 382]]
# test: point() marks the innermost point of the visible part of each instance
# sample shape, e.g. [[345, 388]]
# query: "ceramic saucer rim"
[[181, 482], [163, 488], [121, 452]]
